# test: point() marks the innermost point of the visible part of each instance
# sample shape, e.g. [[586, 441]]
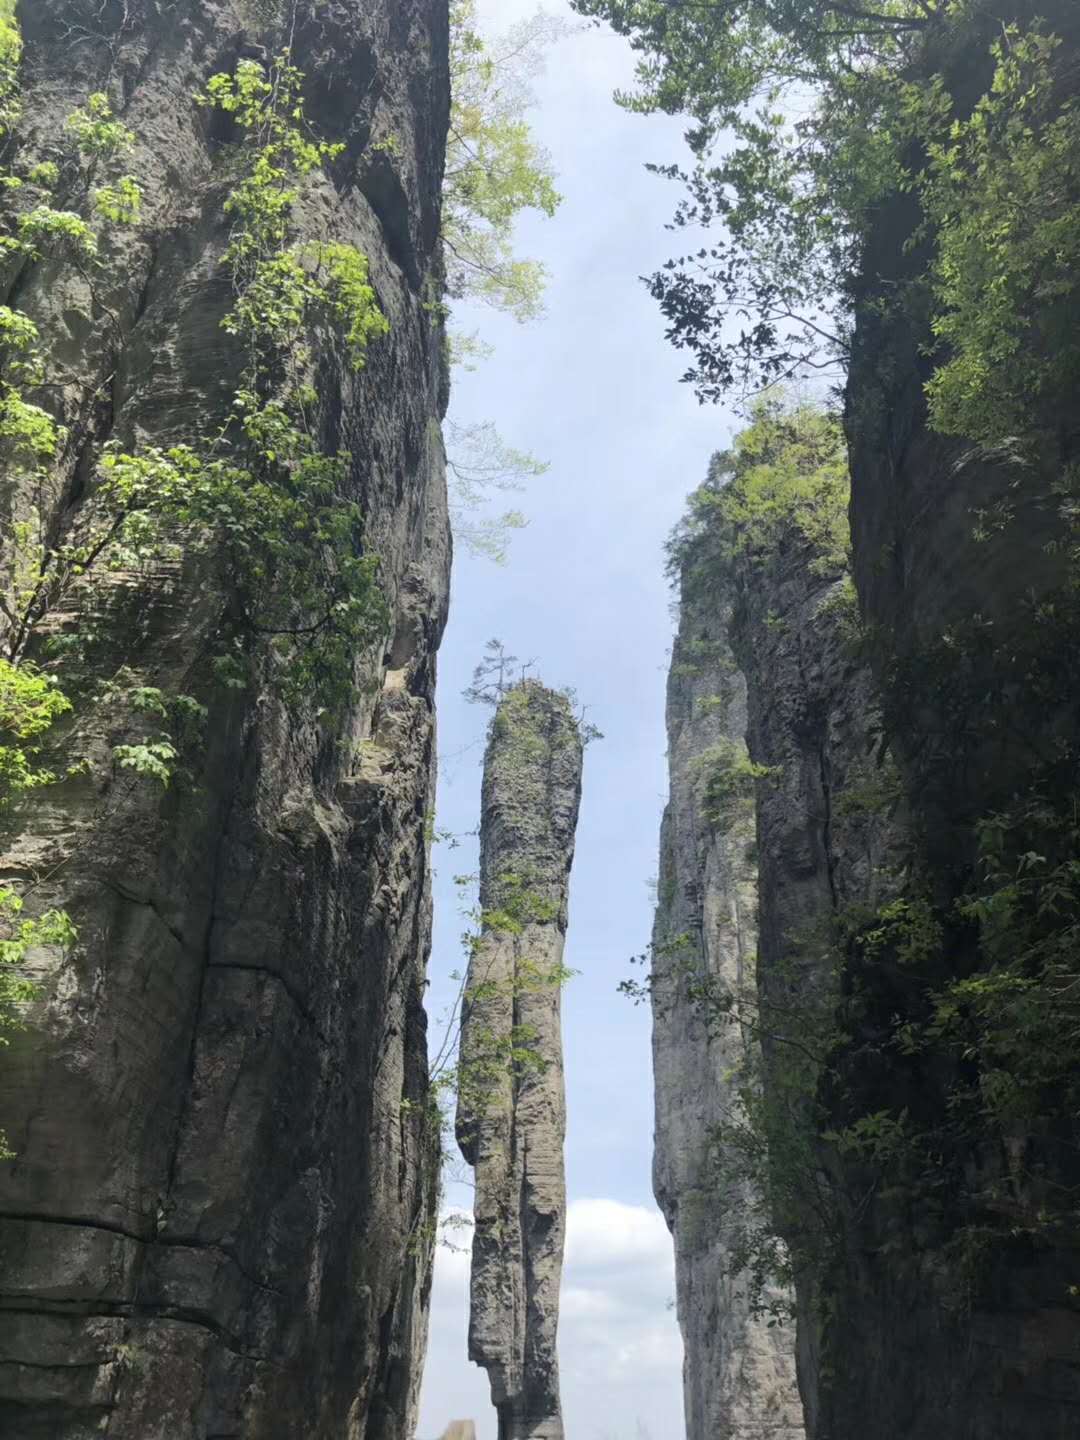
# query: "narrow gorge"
[[249, 251]]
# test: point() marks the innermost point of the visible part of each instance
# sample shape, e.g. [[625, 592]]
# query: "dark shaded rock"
[[217, 1222]]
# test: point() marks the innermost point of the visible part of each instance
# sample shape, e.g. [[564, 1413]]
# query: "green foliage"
[[790, 190], [784, 186], [30, 704], [10, 57], [494, 172], [494, 168], [1002, 194], [44, 228], [96, 132], [19, 938], [296, 541], [781, 1211], [785, 477], [261, 495], [1016, 1020], [120, 203], [729, 779], [478, 1078], [519, 904], [479, 462], [153, 759]]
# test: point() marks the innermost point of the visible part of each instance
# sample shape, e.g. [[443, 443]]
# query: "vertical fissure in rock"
[[511, 1118]]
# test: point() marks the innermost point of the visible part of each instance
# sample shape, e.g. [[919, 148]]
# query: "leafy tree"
[[494, 168], [480, 462], [494, 172], [785, 473], [302, 597], [805, 114], [495, 676], [1002, 193]]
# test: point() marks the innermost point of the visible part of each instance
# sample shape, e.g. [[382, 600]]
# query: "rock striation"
[[511, 1118], [218, 1220], [739, 1370], [779, 826]]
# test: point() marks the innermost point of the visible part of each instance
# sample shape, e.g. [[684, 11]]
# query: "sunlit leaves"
[[494, 168], [1002, 192], [96, 131]]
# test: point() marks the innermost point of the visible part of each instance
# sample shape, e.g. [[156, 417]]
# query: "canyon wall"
[[911, 719], [739, 1370], [218, 1219], [511, 1118]]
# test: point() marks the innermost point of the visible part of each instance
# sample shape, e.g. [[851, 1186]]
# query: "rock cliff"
[[964, 557], [777, 826], [511, 1118], [218, 1220], [911, 730], [739, 1371]]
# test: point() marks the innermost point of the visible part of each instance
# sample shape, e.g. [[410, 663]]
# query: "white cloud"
[[602, 1233], [619, 1346]]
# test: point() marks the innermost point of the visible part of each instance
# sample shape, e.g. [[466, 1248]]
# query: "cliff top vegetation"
[[806, 119]]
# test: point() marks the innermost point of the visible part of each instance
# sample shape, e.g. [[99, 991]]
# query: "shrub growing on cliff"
[[785, 477]]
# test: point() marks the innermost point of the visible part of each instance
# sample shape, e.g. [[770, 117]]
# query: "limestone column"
[[511, 1118]]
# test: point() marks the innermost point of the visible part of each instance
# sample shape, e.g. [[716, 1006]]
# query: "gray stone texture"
[[218, 1224], [738, 1372], [813, 719], [511, 1120]]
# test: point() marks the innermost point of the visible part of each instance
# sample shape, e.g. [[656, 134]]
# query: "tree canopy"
[[805, 115], [495, 170], [494, 167]]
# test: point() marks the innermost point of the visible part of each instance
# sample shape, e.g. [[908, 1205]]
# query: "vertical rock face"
[[511, 1119], [828, 847], [915, 984], [739, 1372], [216, 1221], [955, 1311]]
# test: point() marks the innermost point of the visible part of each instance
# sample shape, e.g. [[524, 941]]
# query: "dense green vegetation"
[[808, 118], [922, 1046], [785, 476], [494, 168]]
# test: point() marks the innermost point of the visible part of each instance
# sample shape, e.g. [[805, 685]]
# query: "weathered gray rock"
[[739, 1371], [218, 1220], [828, 843], [511, 1119]]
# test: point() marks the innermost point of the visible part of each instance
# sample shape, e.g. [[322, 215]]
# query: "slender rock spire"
[[511, 1118]]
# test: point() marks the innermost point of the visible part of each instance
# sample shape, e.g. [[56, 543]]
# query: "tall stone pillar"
[[511, 1118]]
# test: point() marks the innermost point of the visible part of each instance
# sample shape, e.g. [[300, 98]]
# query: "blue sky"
[[593, 388]]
